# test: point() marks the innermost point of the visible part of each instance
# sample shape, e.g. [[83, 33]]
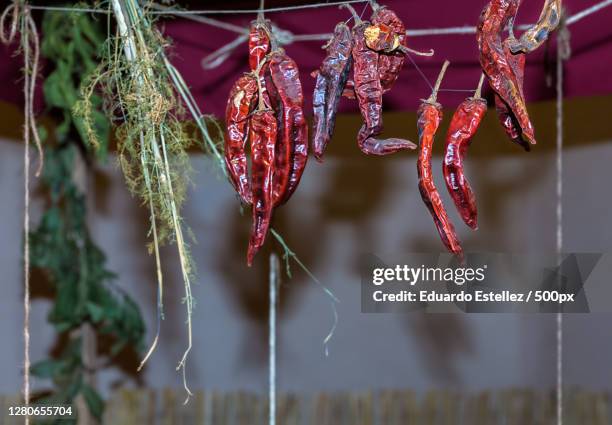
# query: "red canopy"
[[586, 73]]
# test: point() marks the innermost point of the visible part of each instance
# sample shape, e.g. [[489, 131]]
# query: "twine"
[[16, 17], [218, 57], [418, 32], [258, 10], [26, 230], [563, 53]]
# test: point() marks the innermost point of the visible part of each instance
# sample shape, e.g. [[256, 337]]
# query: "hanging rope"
[[202, 19], [587, 12], [270, 10], [563, 54], [17, 18], [26, 224]]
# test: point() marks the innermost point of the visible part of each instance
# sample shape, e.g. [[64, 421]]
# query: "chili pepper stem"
[[265, 24], [478, 92], [511, 28], [434, 93], [261, 106], [260, 14], [407, 50], [356, 16]]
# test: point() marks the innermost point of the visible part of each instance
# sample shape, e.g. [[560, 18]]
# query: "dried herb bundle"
[[61, 245], [152, 142]]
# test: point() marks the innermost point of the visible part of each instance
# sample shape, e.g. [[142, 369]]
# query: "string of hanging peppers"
[[265, 107]]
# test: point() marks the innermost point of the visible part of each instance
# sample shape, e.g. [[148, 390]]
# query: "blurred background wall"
[[349, 205]]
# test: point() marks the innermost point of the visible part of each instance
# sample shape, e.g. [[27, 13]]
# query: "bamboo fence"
[[509, 407]]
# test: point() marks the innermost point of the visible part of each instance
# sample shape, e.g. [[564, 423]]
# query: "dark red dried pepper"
[[463, 126], [369, 93], [262, 134], [331, 80], [429, 117], [504, 113], [391, 62], [293, 131], [502, 79], [241, 102], [387, 36], [282, 159], [259, 42]]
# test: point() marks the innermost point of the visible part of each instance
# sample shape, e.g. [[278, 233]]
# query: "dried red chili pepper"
[[369, 93], [463, 126], [502, 79], [263, 133], [391, 61], [292, 154], [504, 113], [284, 145], [387, 36], [239, 105], [536, 35], [331, 80], [429, 116], [259, 42]]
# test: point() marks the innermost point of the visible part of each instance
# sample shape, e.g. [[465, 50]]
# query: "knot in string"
[[283, 37]]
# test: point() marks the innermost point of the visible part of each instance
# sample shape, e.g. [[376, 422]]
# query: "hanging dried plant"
[[152, 141]]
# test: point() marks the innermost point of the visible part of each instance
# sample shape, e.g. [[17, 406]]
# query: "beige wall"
[[349, 205]]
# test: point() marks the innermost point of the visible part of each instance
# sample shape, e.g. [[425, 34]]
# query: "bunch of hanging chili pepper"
[[503, 62], [429, 117], [265, 108], [375, 51]]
